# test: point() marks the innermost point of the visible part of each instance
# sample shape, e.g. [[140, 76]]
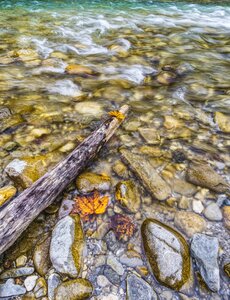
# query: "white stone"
[[30, 282], [53, 281], [10, 289], [102, 281], [213, 213], [17, 165], [197, 206]]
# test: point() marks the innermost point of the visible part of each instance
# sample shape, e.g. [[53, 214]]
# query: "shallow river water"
[[63, 66]]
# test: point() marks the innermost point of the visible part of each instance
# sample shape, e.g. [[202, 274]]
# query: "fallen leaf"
[[122, 226], [117, 114], [89, 205]]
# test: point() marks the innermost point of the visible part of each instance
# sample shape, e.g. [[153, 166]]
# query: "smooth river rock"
[[147, 175], [87, 182], [77, 289], [167, 253], [204, 176], [138, 289], [41, 256], [67, 245], [17, 272], [54, 281], [212, 212], [204, 249], [189, 222]]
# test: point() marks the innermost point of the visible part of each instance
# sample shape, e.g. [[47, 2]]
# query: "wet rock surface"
[[204, 249], [167, 253], [41, 257], [10, 289], [203, 175], [77, 289], [87, 182], [66, 246], [189, 223], [147, 174]]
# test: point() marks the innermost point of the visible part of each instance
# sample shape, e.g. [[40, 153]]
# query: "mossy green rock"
[[167, 253], [41, 256], [127, 195], [78, 289]]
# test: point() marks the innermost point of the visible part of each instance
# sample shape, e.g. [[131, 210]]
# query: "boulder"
[[204, 249], [154, 183], [167, 253], [67, 245], [203, 175]]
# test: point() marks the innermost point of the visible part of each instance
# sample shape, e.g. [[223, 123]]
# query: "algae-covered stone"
[[223, 121], [88, 181], [120, 169], [150, 135], [25, 171], [41, 257], [78, 289], [166, 78], [138, 289], [89, 108], [147, 174], [204, 249], [79, 70], [203, 175], [189, 222], [127, 195], [167, 253], [40, 289], [6, 193], [66, 246]]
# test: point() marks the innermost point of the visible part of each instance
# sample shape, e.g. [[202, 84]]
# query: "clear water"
[[128, 43]]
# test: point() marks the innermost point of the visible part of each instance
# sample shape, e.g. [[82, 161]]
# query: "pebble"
[[197, 206], [40, 289], [189, 222], [131, 261], [66, 247], [17, 272], [115, 264], [102, 281], [204, 249], [9, 289], [21, 261], [111, 275], [212, 212], [139, 289], [54, 281], [30, 282]]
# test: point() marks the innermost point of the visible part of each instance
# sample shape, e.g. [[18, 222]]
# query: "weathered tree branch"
[[21, 211]]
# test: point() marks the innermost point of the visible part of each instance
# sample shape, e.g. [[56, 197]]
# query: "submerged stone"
[[227, 269], [41, 257], [204, 249], [78, 289], [6, 193], [204, 176], [66, 246], [138, 289], [87, 182], [226, 215], [189, 222], [147, 174], [150, 135], [127, 195], [79, 70], [167, 253], [223, 121], [89, 108]]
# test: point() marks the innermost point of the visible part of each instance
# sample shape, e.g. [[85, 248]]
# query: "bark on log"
[[21, 211]]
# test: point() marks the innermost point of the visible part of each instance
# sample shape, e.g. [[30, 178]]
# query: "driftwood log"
[[21, 211]]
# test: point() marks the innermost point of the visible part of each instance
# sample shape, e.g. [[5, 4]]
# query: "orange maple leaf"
[[122, 226], [88, 205]]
